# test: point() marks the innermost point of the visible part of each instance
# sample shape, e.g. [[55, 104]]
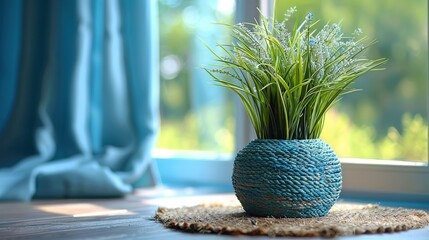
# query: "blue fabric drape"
[[78, 96]]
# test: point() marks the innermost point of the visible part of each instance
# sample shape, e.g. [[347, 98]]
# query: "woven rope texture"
[[287, 178]]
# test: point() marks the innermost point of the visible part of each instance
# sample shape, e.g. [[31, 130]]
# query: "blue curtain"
[[78, 97]]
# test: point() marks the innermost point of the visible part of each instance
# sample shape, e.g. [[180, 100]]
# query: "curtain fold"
[[80, 114]]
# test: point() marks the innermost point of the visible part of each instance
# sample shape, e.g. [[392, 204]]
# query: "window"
[[195, 114], [390, 112]]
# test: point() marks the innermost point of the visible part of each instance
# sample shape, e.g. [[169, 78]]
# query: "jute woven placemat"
[[343, 219]]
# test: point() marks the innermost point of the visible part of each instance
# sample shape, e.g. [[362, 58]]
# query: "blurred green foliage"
[[386, 120], [195, 115], [352, 141], [184, 135]]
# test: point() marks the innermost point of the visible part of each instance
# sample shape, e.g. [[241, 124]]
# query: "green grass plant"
[[288, 78]]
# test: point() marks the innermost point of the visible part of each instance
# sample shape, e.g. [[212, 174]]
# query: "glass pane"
[[388, 118], [195, 114]]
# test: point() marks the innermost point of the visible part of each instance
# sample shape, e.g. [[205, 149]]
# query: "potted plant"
[[287, 80]]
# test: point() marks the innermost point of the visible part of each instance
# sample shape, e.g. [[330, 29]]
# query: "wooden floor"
[[128, 218]]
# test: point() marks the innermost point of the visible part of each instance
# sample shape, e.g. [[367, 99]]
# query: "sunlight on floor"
[[82, 210]]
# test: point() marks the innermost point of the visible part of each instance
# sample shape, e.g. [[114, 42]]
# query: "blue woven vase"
[[287, 178]]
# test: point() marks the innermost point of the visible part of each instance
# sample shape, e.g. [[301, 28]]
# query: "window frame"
[[362, 178]]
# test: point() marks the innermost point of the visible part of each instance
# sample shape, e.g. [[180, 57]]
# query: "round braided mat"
[[343, 219]]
